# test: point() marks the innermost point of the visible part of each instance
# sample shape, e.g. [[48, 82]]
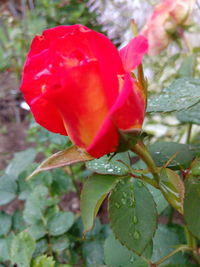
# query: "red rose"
[[76, 84]]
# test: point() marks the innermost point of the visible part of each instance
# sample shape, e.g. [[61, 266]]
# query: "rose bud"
[[78, 84], [168, 18]]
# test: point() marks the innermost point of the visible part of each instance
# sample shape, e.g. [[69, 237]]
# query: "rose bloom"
[[78, 84], [168, 16]]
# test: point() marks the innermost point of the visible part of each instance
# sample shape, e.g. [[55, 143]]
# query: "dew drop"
[[124, 194], [117, 205], [132, 259], [123, 201], [133, 203], [110, 170], [136, 235], [140, 184], [135, 219]]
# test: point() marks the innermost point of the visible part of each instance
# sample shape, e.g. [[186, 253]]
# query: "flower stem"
[[180, 248], [141, 150], [192, 243], [189, 133]]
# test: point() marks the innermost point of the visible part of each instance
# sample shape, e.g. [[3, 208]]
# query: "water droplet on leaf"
[[136, 235]]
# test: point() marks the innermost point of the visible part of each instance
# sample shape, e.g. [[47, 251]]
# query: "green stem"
[[180, 248], [192, 243], [141, 150], [74, 182], [189, 133], [171, 214], [146, 179]]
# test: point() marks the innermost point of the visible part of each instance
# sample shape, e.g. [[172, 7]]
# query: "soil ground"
[[13, 124]]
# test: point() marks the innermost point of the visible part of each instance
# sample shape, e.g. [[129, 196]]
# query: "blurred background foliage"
[[40, 221]]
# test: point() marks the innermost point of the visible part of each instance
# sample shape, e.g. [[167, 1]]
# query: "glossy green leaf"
[[18, 221], [117, 255], [195, 170], [37, 230], [187, 67], [165, 241], [161, 202], [181, 94], [133, 215], [94, 192], [110, 164], [190, 115], [4, 250], [60, 223], [5, 223], [172, 188], [22, 248], [8, 189], [63, 158], [93, 252], [35, 205], [178, 156], [191, 206], [42, 246], [20, 162], [44, 261], [60, 243]]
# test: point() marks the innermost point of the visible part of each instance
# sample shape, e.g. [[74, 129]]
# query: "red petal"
[[46, 114], [73, 79], [106, 140], [84, 46], [81, 100], [41, 42], [127, 113], [133, 53], [129, 109]]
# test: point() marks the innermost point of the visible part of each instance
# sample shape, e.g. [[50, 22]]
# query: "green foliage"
[[129, 203], [109, 164], [60, 223], [181, 94], [172, 188], [176, 156], [44, 261], [190, 115], [94, 192], [191, 205], [22, 248], [5, 223], [20, 162], [8, 189], [117, 255], [164, 241]]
